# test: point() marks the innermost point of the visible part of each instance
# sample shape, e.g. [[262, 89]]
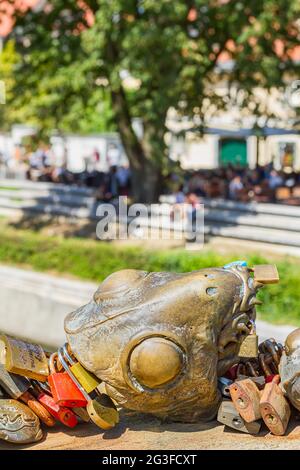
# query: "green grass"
[[93, 260], [9, 188]]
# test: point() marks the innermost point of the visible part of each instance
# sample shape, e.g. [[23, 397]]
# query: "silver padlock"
[[229, 416]]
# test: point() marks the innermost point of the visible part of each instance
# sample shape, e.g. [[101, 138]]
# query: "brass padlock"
[[86, 379], [22, 358], [18, 424], [82, 414], [229, 416], [246, 399], [249, 347], [266, 274], [275, 409]]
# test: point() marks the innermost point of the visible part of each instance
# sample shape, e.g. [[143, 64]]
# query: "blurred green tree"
[[147, 57]]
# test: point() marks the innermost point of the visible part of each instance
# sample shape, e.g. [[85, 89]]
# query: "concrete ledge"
[[34, 305]]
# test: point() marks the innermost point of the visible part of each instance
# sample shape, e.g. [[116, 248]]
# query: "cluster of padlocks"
[[151, 354], [47, 388], [253, 393]]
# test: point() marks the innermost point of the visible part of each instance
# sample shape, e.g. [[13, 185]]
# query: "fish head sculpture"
[[160, 340]]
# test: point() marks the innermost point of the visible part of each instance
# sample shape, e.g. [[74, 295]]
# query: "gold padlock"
[[103, 412], [22, 358], [249, 347], [86, 379], [266, 274]]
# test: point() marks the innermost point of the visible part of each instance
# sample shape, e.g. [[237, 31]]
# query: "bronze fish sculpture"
[[160, 340]]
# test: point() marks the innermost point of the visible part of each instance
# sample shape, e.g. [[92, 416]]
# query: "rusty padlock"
[[246, 399], [275, 409], [63, 389]]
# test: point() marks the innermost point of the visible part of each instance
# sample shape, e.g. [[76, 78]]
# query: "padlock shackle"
[[67, 355], [71, 375], [52, 361]]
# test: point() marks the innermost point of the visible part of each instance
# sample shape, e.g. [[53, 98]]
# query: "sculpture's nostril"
[[211, 291]]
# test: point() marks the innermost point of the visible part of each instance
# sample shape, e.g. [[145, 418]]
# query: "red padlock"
[[60, 413], [64, 415], [63, 389]]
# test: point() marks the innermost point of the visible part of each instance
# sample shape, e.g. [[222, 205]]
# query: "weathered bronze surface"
[[289, 368], [159, 341], [18, 424]]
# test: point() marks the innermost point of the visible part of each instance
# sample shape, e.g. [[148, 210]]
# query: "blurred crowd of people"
[[262, 184], [108, 185]]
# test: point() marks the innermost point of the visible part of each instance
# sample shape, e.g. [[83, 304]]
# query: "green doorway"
[[233, 151]]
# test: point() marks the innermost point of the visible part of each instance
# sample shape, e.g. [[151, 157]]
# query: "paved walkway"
[[146, 433]]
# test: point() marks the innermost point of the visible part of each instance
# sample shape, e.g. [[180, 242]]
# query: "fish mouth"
[[235, 331], [243, 315]]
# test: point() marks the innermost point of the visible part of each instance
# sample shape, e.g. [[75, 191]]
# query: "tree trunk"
[[146, 171], [146, 183]]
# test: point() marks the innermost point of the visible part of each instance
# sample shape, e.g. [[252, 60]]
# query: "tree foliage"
[[149, 56]]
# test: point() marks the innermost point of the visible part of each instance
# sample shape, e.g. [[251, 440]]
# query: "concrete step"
[[46, 197], [266, 235], [50, 187], [230, 217], [253, 207], [250, 207], [32, 206]]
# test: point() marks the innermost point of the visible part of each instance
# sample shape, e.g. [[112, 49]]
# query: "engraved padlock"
[[274, 407], [18, 387], [63, 389], [23, 358], [100, 407], [86, 379], [18, 424], [249, 346]]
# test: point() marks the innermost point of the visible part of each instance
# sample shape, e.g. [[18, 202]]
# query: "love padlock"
[[246, 399], [63, 389], [274, 408]]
